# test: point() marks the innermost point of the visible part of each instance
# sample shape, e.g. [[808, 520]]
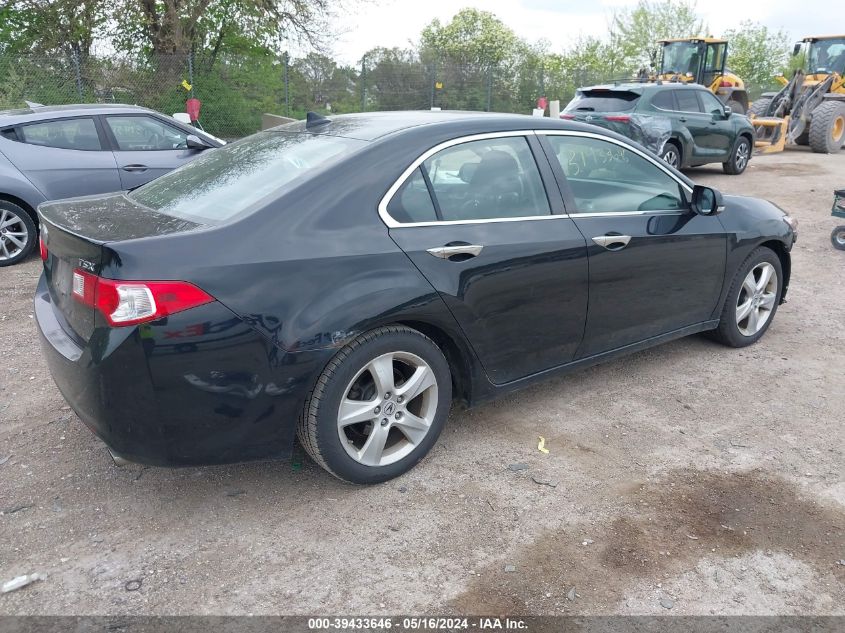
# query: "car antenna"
[[312, 119]]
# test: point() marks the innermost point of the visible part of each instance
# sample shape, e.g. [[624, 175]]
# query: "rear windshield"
[[224, 182], [603, 101]]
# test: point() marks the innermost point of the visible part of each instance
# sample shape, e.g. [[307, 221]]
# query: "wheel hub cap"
[[757, 298], [387, 409]]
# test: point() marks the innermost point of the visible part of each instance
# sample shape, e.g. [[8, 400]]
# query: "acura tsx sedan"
[[344, 281]]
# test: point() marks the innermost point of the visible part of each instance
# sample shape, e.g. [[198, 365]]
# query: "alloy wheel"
[[756, 299], [13, 234], [387, 409], [743, 151], [671, 156]]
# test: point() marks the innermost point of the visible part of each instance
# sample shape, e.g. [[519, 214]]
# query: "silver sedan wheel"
[[387, 409], [743, 152], [13, 234], [756, 299]]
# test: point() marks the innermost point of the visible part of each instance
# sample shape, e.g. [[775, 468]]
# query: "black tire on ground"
[[837, 237], [736, 106], [17, 221], [672, 154], [728, 332], [739, 157], [317, 430], [804, 137], [827, 127], [758, 108]]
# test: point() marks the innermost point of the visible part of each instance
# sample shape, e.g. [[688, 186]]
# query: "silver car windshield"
[[225, 182]]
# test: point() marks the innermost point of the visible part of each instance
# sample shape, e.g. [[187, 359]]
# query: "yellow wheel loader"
[[702, 60], [810, 108]]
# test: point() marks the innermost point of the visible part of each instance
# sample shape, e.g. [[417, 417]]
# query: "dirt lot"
[[688, 479]]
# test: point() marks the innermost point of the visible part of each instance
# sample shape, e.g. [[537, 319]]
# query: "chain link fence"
[[236, 90]]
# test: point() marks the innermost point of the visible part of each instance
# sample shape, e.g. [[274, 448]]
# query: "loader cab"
[[699, 60], [823, 55]]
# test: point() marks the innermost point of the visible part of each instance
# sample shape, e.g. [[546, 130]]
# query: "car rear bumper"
[[199, 387]]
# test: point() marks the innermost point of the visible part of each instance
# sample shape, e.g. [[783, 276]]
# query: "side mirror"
[[707, 201], [195, 142], [796, 50], [728, 112]]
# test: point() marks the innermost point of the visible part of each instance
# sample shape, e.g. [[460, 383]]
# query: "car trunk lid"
[[75, 233]]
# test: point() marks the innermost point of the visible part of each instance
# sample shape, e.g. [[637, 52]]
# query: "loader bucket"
[[771, 134]]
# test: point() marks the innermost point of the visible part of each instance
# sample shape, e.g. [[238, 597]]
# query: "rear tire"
[[837, 237], [752, 301], [672, 154], [739, 157], [378, 407], [18, 233], [827, 128]]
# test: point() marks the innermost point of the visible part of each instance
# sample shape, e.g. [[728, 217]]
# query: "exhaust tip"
[[119, 461]]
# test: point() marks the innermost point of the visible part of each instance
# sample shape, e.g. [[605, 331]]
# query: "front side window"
[[224, 182], [78, 134], [140, 133], [487, 179], [607, 178], [711, 104]]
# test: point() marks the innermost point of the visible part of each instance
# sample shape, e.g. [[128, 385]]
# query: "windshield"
[[827, 56], [680, 58], [224, 182], [602, 101]]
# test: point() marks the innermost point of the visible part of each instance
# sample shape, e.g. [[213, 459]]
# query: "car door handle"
[[450, 251], [683, 119], [612, 242], [134, 168]]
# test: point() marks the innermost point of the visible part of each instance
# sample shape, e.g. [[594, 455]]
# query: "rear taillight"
[[568, 117], [618, 118], [132, 302], [725, 84], [43, 248]]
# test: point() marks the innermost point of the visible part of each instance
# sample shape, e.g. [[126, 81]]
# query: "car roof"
[[641, 87], [40, 113], [371, 126]]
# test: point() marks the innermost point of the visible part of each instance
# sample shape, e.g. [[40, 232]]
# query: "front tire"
[[752, 300], [827, 128], [18, 233], [739, 157], [378, 407], [837, 237]]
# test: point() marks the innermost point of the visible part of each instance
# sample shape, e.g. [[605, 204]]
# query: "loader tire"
[[759, 107], [804, 137], [827, 127]]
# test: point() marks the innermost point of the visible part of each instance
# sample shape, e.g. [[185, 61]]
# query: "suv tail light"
[[131, 302], [619, 118], [566, 116]]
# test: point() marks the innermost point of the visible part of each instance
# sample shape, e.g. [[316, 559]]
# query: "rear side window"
[[603, 101], [664, 100], [224, 182], [63, 134], [412, 202], [487, 179], [9, 133], [687, 101]]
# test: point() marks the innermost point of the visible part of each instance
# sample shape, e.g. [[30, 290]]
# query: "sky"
[[560, 22]]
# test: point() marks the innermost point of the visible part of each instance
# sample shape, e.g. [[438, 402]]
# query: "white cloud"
[[559, 22]]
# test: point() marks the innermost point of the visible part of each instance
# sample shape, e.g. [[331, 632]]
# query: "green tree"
[[757, 54], [635, 32]]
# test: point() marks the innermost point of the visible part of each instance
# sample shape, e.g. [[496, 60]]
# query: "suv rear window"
[[224, 182], [603, 101]]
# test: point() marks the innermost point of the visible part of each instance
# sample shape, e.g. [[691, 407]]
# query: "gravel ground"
[[687, 479]]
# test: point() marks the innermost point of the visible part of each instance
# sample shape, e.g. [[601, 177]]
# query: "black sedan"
[[344, 281]]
